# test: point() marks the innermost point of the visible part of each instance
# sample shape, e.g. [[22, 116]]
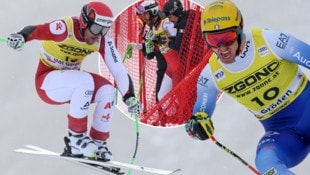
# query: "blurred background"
[[26, 119]]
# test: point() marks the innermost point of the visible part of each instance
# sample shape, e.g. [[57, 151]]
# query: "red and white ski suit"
[[59, 78]]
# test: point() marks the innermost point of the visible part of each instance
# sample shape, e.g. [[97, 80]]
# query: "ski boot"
[[80, 145], [103, 152]]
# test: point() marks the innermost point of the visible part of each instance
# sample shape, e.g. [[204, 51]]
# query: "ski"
[[112, 167], [107, 170]]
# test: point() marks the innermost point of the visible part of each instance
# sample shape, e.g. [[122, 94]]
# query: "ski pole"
[[137, 143], [234, 154], [137, 123], [127, 55], [3, 40]]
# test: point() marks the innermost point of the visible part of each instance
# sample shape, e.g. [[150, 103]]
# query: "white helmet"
[[148, 6]]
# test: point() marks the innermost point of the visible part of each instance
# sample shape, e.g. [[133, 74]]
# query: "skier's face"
[[224, 44], [173, 19], [226, 53], [90, 38], [146, 17]]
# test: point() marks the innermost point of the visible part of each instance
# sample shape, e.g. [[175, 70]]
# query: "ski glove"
[[200, 126], [133, 104], [16, 41], [161, 40], [135, 46]]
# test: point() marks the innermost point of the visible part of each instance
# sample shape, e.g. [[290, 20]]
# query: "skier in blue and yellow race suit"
[[260, 70]]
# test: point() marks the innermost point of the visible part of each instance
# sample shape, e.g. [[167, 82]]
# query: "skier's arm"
[[142, 48], [165, 32], [288, 47], [175, 43], [56, 31], [123, 80], [200, 125], [207, 93]]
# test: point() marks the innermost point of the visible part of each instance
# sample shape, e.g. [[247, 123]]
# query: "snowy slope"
[[26, 119]]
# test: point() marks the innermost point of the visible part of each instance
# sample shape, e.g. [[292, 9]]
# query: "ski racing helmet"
[[150, 6], [97, 17], [173, 7], [222, 16]]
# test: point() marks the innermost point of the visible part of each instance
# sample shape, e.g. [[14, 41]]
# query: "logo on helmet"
[[92, 15], [217, 27], [175, 8], [104, 22], [218, 19]]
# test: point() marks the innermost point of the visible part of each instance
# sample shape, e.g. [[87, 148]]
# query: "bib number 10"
[[269, 94]]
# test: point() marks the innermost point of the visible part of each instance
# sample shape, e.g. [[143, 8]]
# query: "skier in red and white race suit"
[[59, 79], [259, 68]]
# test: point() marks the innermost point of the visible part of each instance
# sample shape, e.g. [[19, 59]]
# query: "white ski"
[[35, 150]]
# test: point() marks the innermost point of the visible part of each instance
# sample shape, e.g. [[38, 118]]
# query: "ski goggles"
[[215, 40], [97, 29]]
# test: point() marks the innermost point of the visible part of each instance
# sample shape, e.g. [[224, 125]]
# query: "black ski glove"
[[200, 126]]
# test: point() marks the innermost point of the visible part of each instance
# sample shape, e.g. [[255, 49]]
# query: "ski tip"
[[18, 150], [23, 149], [177, 170]]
